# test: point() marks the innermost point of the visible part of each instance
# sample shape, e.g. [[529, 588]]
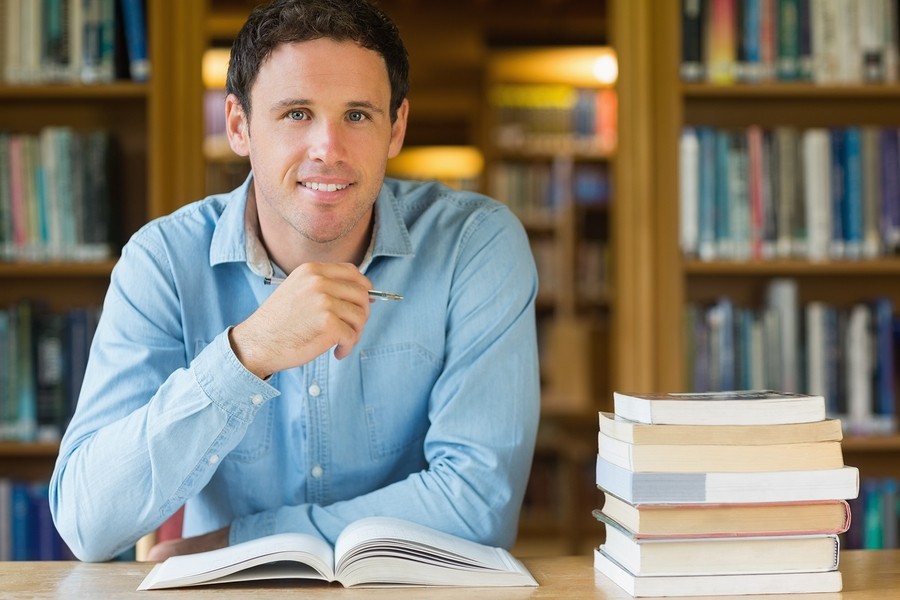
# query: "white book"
[[738, 407], [816, 351], [689, 181], [725, 555], [859, 369], [781, 298], [718, 487], [817, 191], [716, 585], [374, 551]]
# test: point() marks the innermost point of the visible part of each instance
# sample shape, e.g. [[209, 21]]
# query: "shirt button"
[[213, 459], [256, 399], [314, 390], [317, 471]]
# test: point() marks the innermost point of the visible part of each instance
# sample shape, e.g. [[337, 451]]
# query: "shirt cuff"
[[227, 383]]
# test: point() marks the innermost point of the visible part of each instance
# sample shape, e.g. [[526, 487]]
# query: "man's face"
[[319, 138]]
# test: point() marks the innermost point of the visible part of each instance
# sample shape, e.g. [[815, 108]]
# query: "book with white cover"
[[716, 585], [735, 555], [741, 407], [714, 488]]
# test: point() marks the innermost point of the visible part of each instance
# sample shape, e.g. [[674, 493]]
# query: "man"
[[305, 405]]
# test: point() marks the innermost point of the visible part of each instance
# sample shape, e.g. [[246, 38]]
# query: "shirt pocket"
[[396, 385], [257, 441]]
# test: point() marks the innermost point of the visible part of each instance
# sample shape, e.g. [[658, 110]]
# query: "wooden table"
[[868, 574]]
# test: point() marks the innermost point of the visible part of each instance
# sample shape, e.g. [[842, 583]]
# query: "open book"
[[375, 551]]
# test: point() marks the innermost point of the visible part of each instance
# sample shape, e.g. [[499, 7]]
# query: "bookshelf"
[[679, 281], [143, 120]]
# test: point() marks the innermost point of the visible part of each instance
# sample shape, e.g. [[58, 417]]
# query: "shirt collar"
[[236, 237]]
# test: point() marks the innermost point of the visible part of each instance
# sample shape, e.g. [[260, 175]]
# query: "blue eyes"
[[300, 115]]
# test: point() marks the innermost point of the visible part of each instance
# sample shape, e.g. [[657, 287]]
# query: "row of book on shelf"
[[722, 493], [56, 195], [73, 41], [878, 524], [846, 354], [822, 41], [538, 191], [592, 267], [43, 355], [552, 118], [816, 193], [26, 526]]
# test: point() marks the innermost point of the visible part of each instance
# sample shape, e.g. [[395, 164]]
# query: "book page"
[[207, 567], [388, 550]]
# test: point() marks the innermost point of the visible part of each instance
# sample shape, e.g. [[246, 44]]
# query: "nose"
[[326, 142]]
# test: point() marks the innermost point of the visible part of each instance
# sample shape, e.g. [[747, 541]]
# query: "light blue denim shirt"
[[432, 417]]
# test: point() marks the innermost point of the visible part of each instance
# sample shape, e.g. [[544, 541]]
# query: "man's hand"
[[201, 543], [318, 306]]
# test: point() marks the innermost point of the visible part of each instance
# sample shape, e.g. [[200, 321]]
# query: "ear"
[[398, 130], [237, 126]]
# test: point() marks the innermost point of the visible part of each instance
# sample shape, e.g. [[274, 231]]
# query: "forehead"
[[324, 66]]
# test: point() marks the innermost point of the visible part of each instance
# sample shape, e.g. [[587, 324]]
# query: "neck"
[[288, 249]]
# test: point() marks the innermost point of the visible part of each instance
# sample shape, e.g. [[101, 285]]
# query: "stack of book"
[[722, 493]]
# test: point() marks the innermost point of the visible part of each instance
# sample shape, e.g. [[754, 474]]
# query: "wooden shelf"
[[795, 268], [40, 270], [872, 443], [790, 91], [113, 91], [29, 449]]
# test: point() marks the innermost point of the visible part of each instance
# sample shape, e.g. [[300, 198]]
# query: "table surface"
[[868, 574]]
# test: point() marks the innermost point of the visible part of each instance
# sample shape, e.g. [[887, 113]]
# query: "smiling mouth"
[[324, 187]]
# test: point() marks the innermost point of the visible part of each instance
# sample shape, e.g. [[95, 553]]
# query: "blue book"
[[883, 316], [721, 321], [752, 68], [890, 190], [872, 513], [134, 21], [722, 202], [22, 526], [706, 212], [47, 544], [853, 197], [838, 191]]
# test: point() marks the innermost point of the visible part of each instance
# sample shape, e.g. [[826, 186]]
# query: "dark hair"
[[289, 21]]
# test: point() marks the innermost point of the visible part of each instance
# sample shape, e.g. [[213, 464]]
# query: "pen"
[[373, 293]]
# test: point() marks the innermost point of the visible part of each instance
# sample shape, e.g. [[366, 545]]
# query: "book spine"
[[722, 36], [134, 20], [692, 40], [689, 169], [852, 209], [788, 40]]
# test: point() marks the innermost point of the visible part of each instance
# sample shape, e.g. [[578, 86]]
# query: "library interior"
[[663, 168]]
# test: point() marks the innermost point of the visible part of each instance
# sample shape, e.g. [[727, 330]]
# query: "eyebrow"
[[291, 102]]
